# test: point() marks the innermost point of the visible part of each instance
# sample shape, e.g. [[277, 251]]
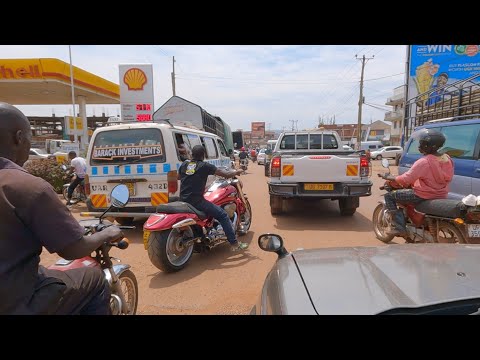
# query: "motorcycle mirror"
[[120, 196], [64, 168], [385, 163]]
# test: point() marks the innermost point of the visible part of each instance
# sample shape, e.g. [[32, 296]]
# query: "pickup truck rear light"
[[275, 166], [364, 167], [172, 181]]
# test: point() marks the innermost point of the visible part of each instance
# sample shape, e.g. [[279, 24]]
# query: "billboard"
[[136, 92], [258, 130], [434, 66]]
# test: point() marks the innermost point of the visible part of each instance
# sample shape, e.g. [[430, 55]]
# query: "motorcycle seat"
[[180, 207], [442, 207]]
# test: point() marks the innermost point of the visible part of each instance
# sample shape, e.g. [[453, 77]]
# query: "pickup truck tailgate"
[[320, 168]]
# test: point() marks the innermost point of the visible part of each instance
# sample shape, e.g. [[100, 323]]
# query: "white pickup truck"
[[313, 164]]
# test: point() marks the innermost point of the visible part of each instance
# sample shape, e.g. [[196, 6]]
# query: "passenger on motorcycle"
[[79, 166], [32, 216], [193, 176], [429, 178], [243, 154]]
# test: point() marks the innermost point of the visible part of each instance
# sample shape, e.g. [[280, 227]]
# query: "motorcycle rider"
[[193, 176], [242, 155], [79, 166], [429, 178], [33, 216]]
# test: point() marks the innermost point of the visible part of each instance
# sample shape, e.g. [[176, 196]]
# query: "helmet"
[[430, 140], [243, 148]]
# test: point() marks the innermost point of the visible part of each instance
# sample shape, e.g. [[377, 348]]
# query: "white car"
[[386, 152], [36, 154], [261, 157]]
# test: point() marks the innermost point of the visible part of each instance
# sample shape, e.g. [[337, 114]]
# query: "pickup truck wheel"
[[348, 206], [276, 205], [267, 170]]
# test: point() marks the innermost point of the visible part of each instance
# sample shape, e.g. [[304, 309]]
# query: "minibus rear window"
[[127, 146]]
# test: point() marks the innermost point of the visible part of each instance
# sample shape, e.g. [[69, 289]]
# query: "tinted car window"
[[302, 141], [329, 142], [288, 142], [315, 141]]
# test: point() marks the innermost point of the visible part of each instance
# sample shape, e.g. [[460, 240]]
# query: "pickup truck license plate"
[[317, 187], [131, 188], [474, 230]]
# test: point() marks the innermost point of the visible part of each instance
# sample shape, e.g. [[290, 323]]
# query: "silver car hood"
[[370, 280]]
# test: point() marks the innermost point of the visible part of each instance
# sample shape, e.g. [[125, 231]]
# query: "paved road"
[[221, 282]]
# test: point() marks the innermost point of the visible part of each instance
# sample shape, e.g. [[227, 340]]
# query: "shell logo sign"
[[135, 79]]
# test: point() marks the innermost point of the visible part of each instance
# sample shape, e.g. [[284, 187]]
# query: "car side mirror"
[[230, 151], [385, 163], [120, 196], [272, 243]]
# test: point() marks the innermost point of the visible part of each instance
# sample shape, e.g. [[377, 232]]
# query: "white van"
[[371, 145], [145, 157]]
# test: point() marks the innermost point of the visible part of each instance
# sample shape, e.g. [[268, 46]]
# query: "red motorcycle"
[[178, 229], [430, 221]]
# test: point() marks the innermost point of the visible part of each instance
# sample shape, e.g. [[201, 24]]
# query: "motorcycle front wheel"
[[129, 285], [380, 225]]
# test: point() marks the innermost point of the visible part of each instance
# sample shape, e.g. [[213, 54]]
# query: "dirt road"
[[222, 282]]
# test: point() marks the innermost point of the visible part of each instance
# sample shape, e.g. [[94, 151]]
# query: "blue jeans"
[[401, 195], [220, 215]]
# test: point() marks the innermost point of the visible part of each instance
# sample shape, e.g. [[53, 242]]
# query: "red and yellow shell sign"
[[135, 79]]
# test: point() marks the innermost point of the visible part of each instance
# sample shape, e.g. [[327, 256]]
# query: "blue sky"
[[243, 84]]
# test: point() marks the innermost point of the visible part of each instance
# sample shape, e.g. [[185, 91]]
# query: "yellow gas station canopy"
[[47, 81]]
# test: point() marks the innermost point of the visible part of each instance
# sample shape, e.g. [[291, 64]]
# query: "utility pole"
[[173, 76], [360, 100], [293, 126]]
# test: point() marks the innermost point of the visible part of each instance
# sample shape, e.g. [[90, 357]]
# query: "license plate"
[[317, 187], [146, 234], [474, 230], [131, 188]]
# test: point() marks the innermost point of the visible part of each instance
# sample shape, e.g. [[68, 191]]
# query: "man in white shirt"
[[79, 165]]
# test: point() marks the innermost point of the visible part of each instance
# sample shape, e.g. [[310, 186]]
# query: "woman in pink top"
[[429, 178]]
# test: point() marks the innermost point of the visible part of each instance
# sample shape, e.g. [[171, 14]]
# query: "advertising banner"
[[258, 130]]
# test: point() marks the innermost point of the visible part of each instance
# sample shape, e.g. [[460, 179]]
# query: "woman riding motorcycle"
[[428, 178]]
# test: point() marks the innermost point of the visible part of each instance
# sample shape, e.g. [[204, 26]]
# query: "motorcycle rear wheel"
[[166, 253], [449, 233], [379, 226]]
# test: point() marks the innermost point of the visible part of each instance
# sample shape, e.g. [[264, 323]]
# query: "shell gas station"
[[48, 81]]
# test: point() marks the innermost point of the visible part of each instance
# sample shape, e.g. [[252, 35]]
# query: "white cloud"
[[243, 83]]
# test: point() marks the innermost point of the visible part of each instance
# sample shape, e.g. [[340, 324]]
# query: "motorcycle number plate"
[[146, 234], [131, 188], [317, 187], [474, 230]]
